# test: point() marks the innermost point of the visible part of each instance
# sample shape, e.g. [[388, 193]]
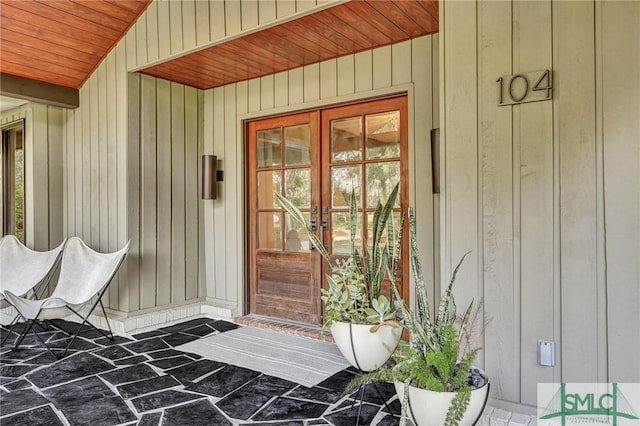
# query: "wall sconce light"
[[210, 175], [435, 159]]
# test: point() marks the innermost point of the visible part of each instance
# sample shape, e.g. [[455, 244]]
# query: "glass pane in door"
[[269, 230], [296, 238], [268, 183], [381, 178], [343, 181], [297, 187], [383, 135], [268, 147], [297, 143], [346, 139]]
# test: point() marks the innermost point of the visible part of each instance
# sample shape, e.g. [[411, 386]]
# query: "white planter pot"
[[429, 408], [363, 349]]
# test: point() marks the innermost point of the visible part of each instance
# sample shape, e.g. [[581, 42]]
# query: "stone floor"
[[143, 380]]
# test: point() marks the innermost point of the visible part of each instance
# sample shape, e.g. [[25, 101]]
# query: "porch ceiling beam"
[[38, 91]]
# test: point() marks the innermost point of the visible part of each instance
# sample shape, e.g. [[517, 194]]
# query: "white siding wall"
[[165, 196], [43, 172], [546, 194], [95, 169], [391, 69], [110, 180]]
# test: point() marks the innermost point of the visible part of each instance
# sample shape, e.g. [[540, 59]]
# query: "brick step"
[[291, 327]]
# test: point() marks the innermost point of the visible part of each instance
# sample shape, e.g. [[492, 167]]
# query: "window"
[[12, 180]]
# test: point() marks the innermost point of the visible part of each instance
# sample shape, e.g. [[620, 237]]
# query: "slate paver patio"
[[144, 380]]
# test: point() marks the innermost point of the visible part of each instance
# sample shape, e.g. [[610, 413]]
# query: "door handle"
[[313, 224], [325, 224]]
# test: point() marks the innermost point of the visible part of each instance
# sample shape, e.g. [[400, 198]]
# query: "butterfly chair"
[[23, 270], [84, 276]]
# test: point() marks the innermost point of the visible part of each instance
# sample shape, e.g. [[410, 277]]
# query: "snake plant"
[[354, 291]]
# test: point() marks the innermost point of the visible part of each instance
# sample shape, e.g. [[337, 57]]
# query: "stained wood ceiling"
[[62, 41], [337, 31]]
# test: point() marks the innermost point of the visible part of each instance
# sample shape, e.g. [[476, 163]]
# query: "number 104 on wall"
[[528, 87]]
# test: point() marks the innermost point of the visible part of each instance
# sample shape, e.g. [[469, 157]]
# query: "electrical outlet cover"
[[546, 353]]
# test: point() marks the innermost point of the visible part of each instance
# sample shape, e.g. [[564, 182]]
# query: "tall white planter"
[[429, 408], [363, 349]]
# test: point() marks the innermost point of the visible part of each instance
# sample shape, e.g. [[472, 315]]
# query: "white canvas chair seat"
[[23, 269], [52, 307], [84, 276]]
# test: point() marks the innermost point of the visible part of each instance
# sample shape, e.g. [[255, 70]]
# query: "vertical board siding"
[[232, 162], [202, 277], [208, 220], [178, 201], [311, 79], [285, 8], [574, 116], [280, 89], [131, 170], [128, 169], [363, 71], [551, 190], [299, 88], [266, 11], [169, 140], [111, 172], [461, 175], [176, 26], [423, 62], [148, 192], [499, 161], [191, 195], [37, 195], [328, 83], [103, 173], [162, 234], [144, 49], [218, 288], [533, 177], [90, 168], [345, 75], [151, 18], [189, 24], [620, 104], [202, 22]]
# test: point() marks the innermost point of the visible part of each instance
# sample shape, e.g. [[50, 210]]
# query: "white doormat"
[[295, 358]]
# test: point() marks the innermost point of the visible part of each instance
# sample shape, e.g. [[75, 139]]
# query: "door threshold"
[[285, 326]]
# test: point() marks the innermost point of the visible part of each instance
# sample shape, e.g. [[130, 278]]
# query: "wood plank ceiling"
[[62, 42], [337, 31]]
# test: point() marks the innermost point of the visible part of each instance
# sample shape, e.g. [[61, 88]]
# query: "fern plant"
[[354, 292], [439, 354]]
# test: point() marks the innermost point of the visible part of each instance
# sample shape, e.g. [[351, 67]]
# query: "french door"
[[316, 159]]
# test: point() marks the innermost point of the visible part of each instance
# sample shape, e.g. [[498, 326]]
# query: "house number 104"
[[520, 88]]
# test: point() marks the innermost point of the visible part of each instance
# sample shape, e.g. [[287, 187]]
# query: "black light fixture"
[[210, 175], [435, 160]]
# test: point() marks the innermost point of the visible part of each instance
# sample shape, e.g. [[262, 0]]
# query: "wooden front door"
[[316, 159]]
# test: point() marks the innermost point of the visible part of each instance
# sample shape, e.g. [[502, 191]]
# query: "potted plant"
[[362, 319], [436, 365]]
